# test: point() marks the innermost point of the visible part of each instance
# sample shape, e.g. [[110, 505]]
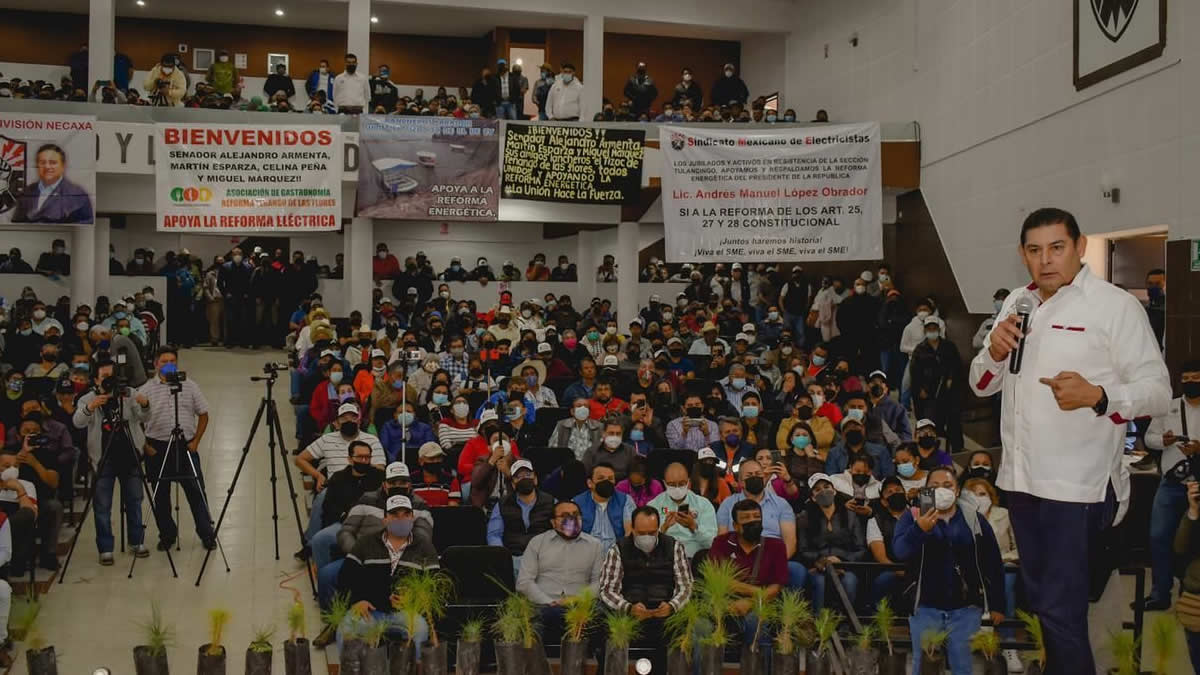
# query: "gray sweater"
[[365, 519], [554, 568], [94, 421]]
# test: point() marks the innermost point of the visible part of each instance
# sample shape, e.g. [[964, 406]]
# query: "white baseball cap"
[[610, 360], [378, 354], [520, 464], [347, 408], [741, 336], [925, 422], [706, 453], [749, 328], [544, 348], [396, 470], [430, 449], [812, 480], [396, 502], [488, 415]]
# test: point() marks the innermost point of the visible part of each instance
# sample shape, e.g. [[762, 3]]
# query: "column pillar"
[[627, 273], [585, 267], [102, 43], [358, 35], [359, 240], [101, 239], [83, 265], [593, 65]]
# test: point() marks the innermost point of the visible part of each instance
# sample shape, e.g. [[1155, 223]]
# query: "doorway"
[[531, 59], [1136, 261]]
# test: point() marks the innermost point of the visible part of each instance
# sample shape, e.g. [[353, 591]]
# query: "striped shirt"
[[612, 576], [450, 434], [333, 450], [161, 418]]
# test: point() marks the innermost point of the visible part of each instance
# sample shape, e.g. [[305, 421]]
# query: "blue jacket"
[[310, 85], [895, 416], [839, 460], [391, 437], [497, 401], [67, 203], [965, 543], [615, 511], [574, 391]]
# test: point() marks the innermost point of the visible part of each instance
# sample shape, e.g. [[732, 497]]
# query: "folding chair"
[[458, 526], [547, 459]]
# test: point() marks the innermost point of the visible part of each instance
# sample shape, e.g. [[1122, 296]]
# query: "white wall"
[[764, 67], [1004, 131]]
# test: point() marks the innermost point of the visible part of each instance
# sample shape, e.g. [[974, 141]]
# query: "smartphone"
[[860, 494], [1183, 439], [925, 500], [684, 508], [774, 456]]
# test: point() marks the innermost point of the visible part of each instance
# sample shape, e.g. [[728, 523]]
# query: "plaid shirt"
[[457, 368], [612, 574]]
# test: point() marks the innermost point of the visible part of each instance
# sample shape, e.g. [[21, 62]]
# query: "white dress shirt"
[[1101, 332], [1173, 422], [352, 90]]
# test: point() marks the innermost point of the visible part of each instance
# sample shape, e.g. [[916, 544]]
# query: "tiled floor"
[[93, 618]]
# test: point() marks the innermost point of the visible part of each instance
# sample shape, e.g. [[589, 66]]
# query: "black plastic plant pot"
[[863, 661], [510, 658], [352, 657], [434, 660], [785, 664], [572, 656], [467, 658], [258, 663], [297, 659], [536, 662], [210, 664], [1034, 668], [895, 663], [711, 659], [679, 662], [41, 661], [820, 664], [754, 661], [147, 661], [994, 665], [402, 658], [933, 666], [376, 661]]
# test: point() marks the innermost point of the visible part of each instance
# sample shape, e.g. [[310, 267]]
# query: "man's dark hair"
[[1190, 366], [602, 465], [946, 469], [648, 511], [53, 148], [987, 454], [351, 55], [354, 444], [166, 349], [568, 502], [1156, 270], [1050, 216], [568, 64], [865, 459], [744, 505]]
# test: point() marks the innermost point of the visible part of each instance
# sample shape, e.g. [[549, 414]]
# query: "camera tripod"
[[118, 427], [274, 431]]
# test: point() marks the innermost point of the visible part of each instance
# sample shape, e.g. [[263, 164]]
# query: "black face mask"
[[391, 331], [927, 442], [358, 469], [706, 470], [984, 472], [804, 412], [605, 489], [525, 486], [476, 372], [351, 67], [402, 491], [861, 479], [754, 485], [694, 411], [1191, 389], [752, 531], [854, 437], [432, 467], [876, 390], [349, 428], [896, 501]]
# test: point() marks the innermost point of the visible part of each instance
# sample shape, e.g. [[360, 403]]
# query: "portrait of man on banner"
[[53, 198]]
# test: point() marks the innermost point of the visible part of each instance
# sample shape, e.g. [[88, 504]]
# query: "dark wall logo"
[[12, 172], [1113, 16]]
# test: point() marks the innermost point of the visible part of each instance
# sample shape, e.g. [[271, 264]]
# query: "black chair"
[[476, 399], [458, 526], [476, 570], [559, 386], [547, 459], [659, 458], [545, 420], [699, 386]]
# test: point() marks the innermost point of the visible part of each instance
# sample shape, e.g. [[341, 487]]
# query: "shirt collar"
[[49, 188]]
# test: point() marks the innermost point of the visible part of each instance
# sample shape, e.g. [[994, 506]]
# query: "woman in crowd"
[[908, 468], [403, 435], [988, 503], [322, 408], [707, 480], [639, 486], [457, 428], [756, 429]]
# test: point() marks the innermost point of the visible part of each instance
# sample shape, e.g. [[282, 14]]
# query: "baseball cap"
[[812, 480], [741, 336], [488, 415], [520, 464], [925, 422], [637, 320], [396, 470], [397, 502], [430, 449], [879, 374], [610, 360], [378, 354], [654, 297], [412, 290], [706, 453], [736, 266], [544, 348], [749, 328], [347, 408], [848, 420], [674, 341]]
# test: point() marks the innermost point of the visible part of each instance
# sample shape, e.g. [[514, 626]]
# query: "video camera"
[[271, 367]]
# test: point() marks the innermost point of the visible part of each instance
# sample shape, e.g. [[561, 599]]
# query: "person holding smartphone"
[[1187, 545], [687, 517]]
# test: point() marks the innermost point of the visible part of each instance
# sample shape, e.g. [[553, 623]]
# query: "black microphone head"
[[1024, 304]]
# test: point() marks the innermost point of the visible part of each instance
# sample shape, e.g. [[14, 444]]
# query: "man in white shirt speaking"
[[1090, 363]]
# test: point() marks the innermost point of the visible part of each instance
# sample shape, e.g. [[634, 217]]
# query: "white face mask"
[[921, 314], [503, 445], [81, 326], [9, 474], [677, 492], [984, 502], [611, 330], [818, 401], [382, 255], [167, 70], [581, 413], [612, 442], [943, 498], [526, 313], [460, 409], [223, 59]]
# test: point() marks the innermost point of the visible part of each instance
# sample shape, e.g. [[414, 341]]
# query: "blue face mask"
[[818, 360], [738, 382], [637, 435], [440, 399], [405, 419], [750, 411], [119, 315], [456, 267], [997, 304], [906, 469], [800, 442]]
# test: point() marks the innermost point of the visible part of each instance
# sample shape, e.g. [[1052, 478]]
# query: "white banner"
[[47, 168], [232, 178], [735, 193]]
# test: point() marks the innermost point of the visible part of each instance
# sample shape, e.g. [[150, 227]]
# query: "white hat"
[[741, 336], [412, 290], [675, 340], [797, 268], [488, 415], [518, 465], [654, 297], [736, 266], [925, 422], [347, 407], [430, 449], [847, 420], [706, 453], [330, 352], [637, 320], [504, 309], [749, 328], [378, 354], [867, 276], [544, 348], [396, 470], [812, 480], [398, 502], [878, 373], [610, 360]]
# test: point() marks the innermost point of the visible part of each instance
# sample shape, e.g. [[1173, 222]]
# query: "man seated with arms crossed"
[[689, 518], [762, 560], [18, 502], [649, 575], [332, 450], [557, 565], [376, 564], [521, 515]]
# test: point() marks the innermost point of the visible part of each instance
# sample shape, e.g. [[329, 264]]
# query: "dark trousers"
[[177, 471], [1056, 540], [1170, 503], [23, 524], [1193, 645], [239, 316]]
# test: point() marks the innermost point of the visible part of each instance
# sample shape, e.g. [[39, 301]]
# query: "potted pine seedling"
[[469, 651], [353, 655], [351, 651], [986, 643], [1165, 642], [891, 662], [509, 627], [580, 610], [793, 632], [1033, 628], [1124, 649], [680, 629], [151, 658], [211, 659], [260, 652], [296, 658], [431, 592], [715, 591], [825, 625], [22, 618], [753, 657], [40, 658], [375, 653], [863, 659], [933, 662], [623, 628]]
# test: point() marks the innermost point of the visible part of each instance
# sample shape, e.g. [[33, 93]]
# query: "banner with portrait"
[[47, 168], [428, 168]]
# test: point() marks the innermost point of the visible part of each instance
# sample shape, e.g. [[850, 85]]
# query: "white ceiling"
[[393, 17]]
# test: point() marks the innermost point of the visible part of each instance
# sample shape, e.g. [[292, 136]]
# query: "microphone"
[[1023, 308]]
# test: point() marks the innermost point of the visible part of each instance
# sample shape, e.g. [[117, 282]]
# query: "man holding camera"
[[114, 423], [36, 455], [182, 463]]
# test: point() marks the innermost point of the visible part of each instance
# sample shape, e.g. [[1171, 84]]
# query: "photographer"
[[193, 420], [165, 83], [104, 414], [37, 452]]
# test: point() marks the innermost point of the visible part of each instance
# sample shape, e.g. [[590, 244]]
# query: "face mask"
[[824, 498], [738, 382], [707, 470], [932, 335], [927, 442], [351, 67], [677, 492], [440, 399], [605, 489], [896, 501], [525, 486], [861, 479], [801, 442], [49, 356], [39, 314], [818, 360], [125, 330], [405, 418], [922, 314], [754, 485], [943, 498], [997, 304], [750, 411], [612, 442], [728, 73], [637, 435], [569, 528], [593, 335], [859, 290], [855, 414], [401, 527], [9, 474], [16, 385], [984, 502], [645, 542], [581, 413], [119, 315], [695, 412], [349, 428], [570, 342], [906, 469], [567, 77], [383, 74], [732, 439], [1191, 389], [336, 377], [752, 531], [167, 70]]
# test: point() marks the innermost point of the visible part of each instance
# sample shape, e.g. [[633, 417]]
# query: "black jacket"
[[485, 93], [640, 89], [344, 489], [383, 93], [367, 573], [276, 82], [691, 92], [728, 89], [815, 540]]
